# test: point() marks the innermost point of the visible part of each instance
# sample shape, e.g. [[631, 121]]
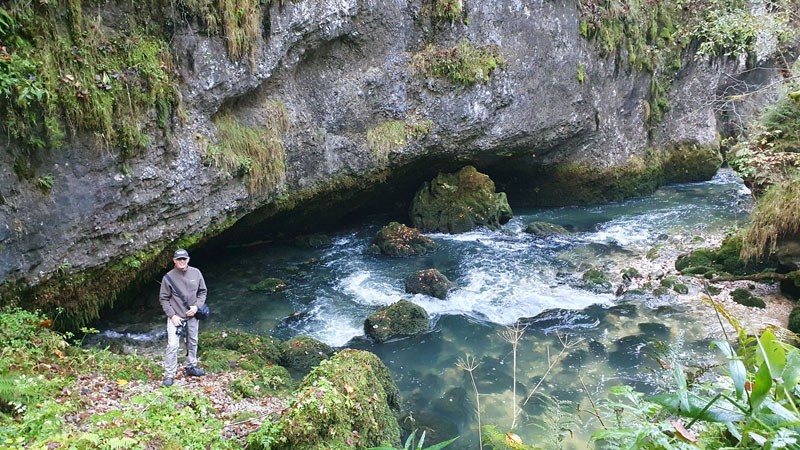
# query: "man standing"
[[183, 292]]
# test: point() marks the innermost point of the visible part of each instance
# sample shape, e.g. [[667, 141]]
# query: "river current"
[[502, 276]]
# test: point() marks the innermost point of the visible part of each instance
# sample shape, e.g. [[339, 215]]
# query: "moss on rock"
[[545, 229], [794, 320], [347, 402], [458, 202], [429, 282], [399, 319], [303, 353], [399, 240], [687, 163], [270, 285], [264, 348], [746, 298], [715, 260], [596, 281]]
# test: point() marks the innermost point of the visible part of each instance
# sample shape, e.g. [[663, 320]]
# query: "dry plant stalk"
[[469, 364]]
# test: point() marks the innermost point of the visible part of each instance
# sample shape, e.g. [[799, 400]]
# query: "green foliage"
[[730, 28], [45, 183], [255, 151], [386, 137], [777, 216], [464, 64], [445, 11], [61, 70], [581, 75], [411, 445]]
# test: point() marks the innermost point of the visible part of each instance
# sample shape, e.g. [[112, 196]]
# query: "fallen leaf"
[[122, 382], [683, 432]]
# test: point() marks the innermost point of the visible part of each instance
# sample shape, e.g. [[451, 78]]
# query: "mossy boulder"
[[347, 402], [794, 320], [746, 298], [399, 240], [458, 202], [270, 285], [596, 281], [674, 284], [545, 229], [302, 353], [399, 319], [267, 380], [429, 282], [709, 261], [253, 349]]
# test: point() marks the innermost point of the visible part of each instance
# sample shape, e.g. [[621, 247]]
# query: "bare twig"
[[594, 411], [469, 364], [513, 335]]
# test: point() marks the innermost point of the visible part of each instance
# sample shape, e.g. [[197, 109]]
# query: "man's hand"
[[176, 320], [192, 311]]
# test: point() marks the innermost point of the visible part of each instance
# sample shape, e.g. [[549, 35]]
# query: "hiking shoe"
[[167, 381], [194, 372]]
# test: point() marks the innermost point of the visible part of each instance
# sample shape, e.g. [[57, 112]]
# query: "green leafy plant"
[[45, 183], [418, 445]]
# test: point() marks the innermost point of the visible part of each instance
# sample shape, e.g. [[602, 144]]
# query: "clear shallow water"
[[502, 276]]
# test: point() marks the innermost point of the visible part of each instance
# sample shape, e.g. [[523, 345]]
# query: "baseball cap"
[[180, 253]]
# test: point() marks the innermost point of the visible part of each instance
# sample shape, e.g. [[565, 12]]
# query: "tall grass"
[[776, 216], [256, 152]]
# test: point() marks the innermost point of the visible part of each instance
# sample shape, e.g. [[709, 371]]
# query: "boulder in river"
[[458, 202], [429, 282], [399, 240], [400, 319], [545, 229]]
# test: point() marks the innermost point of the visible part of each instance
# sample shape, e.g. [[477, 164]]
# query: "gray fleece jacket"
[[190, 284]]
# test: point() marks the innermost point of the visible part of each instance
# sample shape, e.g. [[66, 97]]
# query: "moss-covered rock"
[[399, 319], [429, 282], [347, 402], [716, 260], [302, 353], [674, 284], [459, 202], [794, 320], [687, 163], [265, 381], [596, 281], [746, 298], [399, 240], [225, 350], [270, 285], [545, 229]]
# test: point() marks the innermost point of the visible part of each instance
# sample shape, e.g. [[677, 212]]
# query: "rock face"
[[357, 112], [459, 202]]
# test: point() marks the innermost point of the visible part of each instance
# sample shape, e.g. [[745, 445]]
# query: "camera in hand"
[[181, 329]]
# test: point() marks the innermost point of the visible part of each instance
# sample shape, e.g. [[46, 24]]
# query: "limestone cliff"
[[348, 109]]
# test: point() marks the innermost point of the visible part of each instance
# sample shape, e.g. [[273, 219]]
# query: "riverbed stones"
[[398, 240], [458, 202], [400, 319], [429, 282]]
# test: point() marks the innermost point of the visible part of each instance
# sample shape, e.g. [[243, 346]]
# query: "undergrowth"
[[465, 64]]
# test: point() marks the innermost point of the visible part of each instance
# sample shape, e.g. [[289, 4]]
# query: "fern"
[[122, 443]]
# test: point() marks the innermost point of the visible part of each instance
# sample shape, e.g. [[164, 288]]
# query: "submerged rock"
[[458, 202], [270, 285], [399, 319], [545, 229], [429, 282], [596, 281], [746, 298], [399, 240]]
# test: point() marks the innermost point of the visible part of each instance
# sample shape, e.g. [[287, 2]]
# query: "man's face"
[[181, 264]]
